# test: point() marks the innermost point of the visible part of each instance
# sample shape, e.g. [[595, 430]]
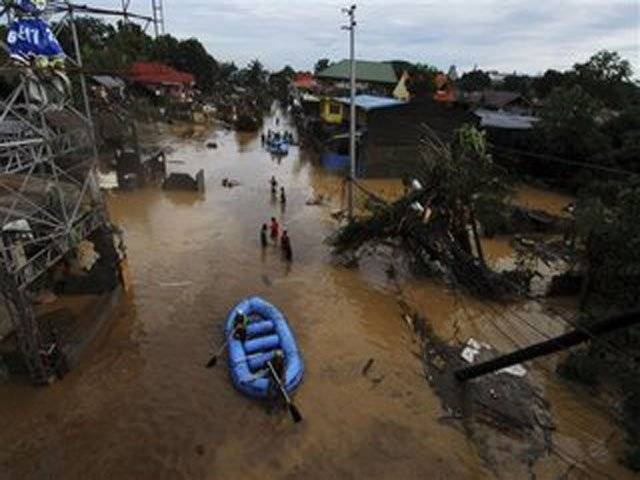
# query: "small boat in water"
[[268, 331], [279, 147]]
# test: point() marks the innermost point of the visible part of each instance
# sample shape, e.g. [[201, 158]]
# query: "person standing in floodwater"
[[285, 244], [283, 196], [263, 235], [274, 229], [274, 185]]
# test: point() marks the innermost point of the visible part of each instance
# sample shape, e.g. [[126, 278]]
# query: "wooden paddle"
[[295, 414], [214, 359]]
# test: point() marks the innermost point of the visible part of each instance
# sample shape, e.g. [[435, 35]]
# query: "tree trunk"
[[476, 237]]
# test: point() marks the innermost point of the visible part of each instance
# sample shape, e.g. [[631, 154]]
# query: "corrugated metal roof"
[[307, 97], [377, 72], [304, 80], [109, 81], [490, 118], [371, 102], [498, 98]]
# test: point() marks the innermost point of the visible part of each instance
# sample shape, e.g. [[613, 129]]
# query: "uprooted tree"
[[435, 220]]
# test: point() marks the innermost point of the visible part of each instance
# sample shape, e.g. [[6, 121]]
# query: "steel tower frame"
[[50, 199], [157, 10]]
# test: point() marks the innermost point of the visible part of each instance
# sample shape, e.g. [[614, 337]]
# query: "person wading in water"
[[275, 228], [285, 244], [263, 235]]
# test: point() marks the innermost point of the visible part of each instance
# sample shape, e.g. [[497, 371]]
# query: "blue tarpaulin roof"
[[371, 102]]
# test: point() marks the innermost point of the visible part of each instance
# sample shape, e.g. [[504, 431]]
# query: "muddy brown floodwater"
[[141, 405]]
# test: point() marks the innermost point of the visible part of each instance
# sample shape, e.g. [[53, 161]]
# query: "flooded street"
[[141, 404]]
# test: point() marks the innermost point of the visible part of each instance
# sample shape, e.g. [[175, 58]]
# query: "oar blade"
[[212, 362], [295, 414]]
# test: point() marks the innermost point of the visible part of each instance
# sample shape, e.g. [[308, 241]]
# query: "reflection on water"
[[141, 405], [552, 202]]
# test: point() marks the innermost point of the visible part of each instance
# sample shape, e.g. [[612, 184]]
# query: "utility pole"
[[557, 344], [351, 12]]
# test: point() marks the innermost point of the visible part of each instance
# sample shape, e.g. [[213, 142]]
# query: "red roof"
[[304, 80], [157, 73]]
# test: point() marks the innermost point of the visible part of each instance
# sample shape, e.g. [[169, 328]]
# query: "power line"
[[553, 158]]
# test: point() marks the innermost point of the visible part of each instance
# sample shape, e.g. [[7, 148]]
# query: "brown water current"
[[141, 405]]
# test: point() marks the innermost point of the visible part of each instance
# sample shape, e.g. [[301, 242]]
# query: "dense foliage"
[[475, 80], [113, 48], [589, 122], [608, 235]]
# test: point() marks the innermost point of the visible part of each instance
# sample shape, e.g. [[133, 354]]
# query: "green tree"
[[568, 126], [280, 82], [165, 50], [193, 58], [517, 83], [605, 66], [421, 82], [545, 84], [321, 64], [256, 75], [474, 81], [606, 76], [609, 241]]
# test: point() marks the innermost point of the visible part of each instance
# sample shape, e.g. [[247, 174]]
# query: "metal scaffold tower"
[[49, 195], [158, 17]]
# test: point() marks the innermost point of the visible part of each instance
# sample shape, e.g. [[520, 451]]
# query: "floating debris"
[[184, 181], [176, 284], [367, 366], [229, 183]]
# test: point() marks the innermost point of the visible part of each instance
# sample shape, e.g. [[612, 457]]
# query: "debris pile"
[[184, 181], [507, 401], [434, 222]]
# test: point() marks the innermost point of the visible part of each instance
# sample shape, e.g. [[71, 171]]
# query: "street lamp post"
[[351, 12]]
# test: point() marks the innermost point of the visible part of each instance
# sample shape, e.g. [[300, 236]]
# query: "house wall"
[[390, 147], [331, 111], [388, 161]]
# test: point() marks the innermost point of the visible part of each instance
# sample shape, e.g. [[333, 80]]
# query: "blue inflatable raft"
[[268, 331], [278, 147]]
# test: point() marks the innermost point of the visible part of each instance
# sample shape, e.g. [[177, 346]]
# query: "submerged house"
[[506, 101], [389, 132], [332, 111], [507, 117], [336, 154], [304, 82], [163, 80], [372, 77]]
